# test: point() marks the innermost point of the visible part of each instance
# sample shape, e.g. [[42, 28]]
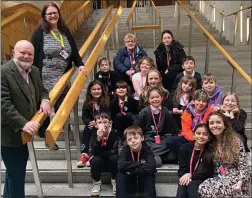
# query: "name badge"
[[64, 54]]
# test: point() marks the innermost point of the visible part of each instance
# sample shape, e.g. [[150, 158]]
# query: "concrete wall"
[[228, 7]]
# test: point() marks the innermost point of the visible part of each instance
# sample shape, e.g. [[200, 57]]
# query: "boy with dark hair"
[[104, 152], [136, 166], [189, 70]]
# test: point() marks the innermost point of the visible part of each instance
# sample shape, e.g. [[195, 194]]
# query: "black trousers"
[[190, 191], [169, 79], [103, 164], [15, 160], [46, 123], [122, 122], [127, 185], [86, 137]]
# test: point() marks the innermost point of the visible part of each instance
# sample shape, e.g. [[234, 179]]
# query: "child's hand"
[[235, 110], [231, 115], [223, 109], [216, 107], [175, 110], [100, 134], [238, 186], [91, 124], [185, 179], [226, 114]]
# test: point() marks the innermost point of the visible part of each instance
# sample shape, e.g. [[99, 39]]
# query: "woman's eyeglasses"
[[52, 13]]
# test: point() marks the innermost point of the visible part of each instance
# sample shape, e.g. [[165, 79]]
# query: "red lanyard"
[[138, 155], [184, 101], [196, 165], [132, 60], [104, 139], [168, 58], [95, 108], [159, 119], [219, 153], [141, 81]]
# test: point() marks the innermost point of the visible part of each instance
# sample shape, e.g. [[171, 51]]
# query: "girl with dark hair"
[[169, 58], [55, 50], [181, 97], [195, 163], [97, 101], [123, 107], [231, 171]]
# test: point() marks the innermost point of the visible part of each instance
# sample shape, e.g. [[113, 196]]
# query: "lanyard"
[[104, 139], [184, 101], [138, 155], [142, 82], [196, 165], [131, 60], [168, 58], [98, 109], [159, 119], [121, 105], [219, 153], [61, 41]]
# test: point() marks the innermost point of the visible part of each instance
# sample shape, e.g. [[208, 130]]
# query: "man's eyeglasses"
[[130, 41], [52, 13]]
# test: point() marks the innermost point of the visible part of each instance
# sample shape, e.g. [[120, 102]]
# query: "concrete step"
[[58, 190], [55, 171]]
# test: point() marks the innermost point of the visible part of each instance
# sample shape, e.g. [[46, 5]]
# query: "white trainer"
[[113, 182], [95, 192]]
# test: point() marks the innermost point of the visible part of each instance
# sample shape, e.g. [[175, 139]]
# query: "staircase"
[[52, 164]]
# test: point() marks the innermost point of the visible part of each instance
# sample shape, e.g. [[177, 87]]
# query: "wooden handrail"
[[219, 47], [156, 10], [131, 13], [8, 21], [76, 13], [59, 86], [233, 13], [21, 5], [63, 112], [145, 27]]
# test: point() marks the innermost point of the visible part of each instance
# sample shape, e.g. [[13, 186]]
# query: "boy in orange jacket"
[[196, 112]]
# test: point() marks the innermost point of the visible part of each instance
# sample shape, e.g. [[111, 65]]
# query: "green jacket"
[[16, 104]]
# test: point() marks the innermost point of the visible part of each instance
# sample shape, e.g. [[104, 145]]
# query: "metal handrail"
[[230, 60]]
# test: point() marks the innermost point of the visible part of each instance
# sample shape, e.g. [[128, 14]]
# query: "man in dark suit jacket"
[[22, 95]]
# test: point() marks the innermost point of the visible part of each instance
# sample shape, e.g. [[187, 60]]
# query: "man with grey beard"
[[22, 95]]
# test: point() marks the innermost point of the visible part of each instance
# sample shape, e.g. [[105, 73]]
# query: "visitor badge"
[[222, 171], [64, 54]]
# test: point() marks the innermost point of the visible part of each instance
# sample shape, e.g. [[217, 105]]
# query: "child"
[[197, 112], [189, 70], [231, 172], [216, 95], [123, 107], [237, 116], [156, 123], [182, 97], [104, 153], [195, 163], [139, 79], [106, 76], [154, 79], [96, 101], [136, 166]]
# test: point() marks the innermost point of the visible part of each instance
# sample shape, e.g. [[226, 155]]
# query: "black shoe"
[[55, 147]]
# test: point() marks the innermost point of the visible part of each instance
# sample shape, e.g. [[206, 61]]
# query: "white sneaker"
[[95, 192], [113, 182]]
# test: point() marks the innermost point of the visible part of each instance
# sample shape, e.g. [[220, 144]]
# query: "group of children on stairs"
[[134, 129]]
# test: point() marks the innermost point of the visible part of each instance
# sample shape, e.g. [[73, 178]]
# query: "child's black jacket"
[[145, 166]]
